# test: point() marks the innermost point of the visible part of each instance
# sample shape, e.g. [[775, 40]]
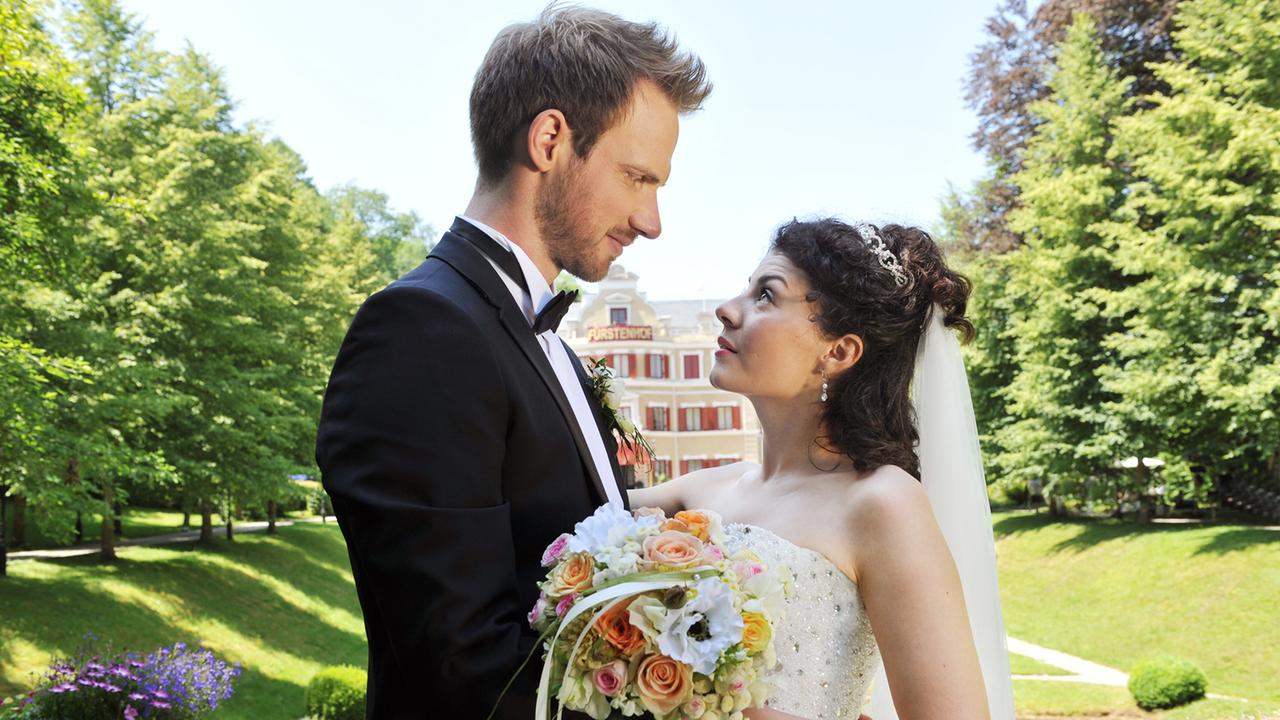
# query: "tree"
[[1199, 351], [1008, 74], [1060, 429]]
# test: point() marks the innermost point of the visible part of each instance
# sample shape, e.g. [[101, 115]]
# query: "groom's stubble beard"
[[565, 230]]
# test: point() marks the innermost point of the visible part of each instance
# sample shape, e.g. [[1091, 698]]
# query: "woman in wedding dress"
[[825, 344]]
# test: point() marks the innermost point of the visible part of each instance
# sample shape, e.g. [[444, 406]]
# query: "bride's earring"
[[823, 397]]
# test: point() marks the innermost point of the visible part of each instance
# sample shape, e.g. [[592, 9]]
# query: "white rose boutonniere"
[[608, 389]]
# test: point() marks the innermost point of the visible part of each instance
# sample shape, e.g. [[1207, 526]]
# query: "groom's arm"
[[411, 446]]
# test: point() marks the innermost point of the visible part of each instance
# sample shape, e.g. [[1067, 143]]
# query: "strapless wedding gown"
[[827, 655]]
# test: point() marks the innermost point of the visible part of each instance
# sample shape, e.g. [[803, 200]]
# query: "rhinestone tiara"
[[887, 260]]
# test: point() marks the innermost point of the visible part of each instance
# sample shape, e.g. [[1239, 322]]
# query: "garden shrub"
[[1165, 682], [337, 692]]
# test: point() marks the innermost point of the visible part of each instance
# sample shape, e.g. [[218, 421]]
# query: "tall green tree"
[[1199, 353], [1061, 428]]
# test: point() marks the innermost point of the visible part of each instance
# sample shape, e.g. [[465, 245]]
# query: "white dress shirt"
[[530, 303]]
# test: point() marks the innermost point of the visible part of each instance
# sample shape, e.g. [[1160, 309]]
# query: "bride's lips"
[[726, 348]]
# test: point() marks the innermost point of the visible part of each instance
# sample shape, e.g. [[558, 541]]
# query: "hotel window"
[[657, 365], [692, 367], [662, 468], [622, 365], [724, 418], [692, 418], [694, 465], [618, 316], [658, 419]]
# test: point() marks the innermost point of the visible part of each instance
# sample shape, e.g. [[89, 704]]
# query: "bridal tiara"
[[887, 259]]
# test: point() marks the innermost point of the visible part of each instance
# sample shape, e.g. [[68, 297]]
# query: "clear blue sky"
[[849, 108]]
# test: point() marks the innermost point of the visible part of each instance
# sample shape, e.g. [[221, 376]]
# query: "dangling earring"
[[823, 397]]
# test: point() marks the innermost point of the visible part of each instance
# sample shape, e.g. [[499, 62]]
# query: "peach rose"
[[663, 684], [698, 522], [756, 632], [671, 550], [676, 525], [574, 574], [616, 628]]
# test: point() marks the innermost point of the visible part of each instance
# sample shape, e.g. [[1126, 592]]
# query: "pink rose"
[[611, 678], [712, 553], [652, 512], [555, 550], [565, 603], [671, 550], [539, 609], [747, 570]]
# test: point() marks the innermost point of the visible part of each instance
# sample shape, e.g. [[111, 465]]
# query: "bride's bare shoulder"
[[886, 500]]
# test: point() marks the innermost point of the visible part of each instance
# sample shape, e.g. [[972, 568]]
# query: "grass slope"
[[282, 606], [1115, 592]]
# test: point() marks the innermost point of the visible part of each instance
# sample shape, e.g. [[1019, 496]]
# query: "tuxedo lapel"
[[458, 253]]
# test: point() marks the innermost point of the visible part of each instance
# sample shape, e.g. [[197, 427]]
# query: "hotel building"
[[664, 350]]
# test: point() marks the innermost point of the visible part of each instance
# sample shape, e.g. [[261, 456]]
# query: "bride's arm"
[[666, 496], [911, 589]]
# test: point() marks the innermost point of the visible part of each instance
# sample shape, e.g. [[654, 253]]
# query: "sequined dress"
[[827, 655]]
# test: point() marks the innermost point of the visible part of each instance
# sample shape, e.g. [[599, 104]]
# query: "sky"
[[852, 108]]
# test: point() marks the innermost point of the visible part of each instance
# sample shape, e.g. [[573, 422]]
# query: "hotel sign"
[[619, 332]]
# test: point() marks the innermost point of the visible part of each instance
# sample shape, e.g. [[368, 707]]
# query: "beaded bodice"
[[827, 654]]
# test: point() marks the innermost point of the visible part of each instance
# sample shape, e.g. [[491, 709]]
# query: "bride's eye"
[[764, 294]]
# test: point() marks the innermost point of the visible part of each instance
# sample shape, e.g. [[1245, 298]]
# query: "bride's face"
[[771, 345]]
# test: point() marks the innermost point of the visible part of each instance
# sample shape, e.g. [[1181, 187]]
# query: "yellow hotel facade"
[[664, 350]]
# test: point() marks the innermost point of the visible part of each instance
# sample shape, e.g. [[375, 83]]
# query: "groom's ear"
[[548, 139], [843, 354]]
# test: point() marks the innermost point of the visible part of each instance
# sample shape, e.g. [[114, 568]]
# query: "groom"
[[459, 435]]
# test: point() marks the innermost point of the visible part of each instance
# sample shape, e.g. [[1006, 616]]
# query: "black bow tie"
[[553, 312]]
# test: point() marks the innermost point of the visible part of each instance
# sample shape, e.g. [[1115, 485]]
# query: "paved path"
[[1082, 671], [167, 538]]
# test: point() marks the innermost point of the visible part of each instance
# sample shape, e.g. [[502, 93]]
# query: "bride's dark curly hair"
[[868, 414]]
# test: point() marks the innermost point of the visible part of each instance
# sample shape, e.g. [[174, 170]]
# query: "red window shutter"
[[648, 414], [691, 367], [684, 467], [666, 366], [709, 419], [680, 419], [636, 370], [737, 417]]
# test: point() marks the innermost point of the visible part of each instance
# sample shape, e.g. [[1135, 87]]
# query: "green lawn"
[[1115, 592], [282, 606], [1043, 698]]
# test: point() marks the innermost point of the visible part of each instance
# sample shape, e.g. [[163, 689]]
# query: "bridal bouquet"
[[644, 613]]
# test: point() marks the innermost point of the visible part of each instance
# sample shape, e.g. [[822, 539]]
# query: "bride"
[[839, 327]]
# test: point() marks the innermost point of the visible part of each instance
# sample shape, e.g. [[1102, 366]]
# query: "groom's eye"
[[764, 294]]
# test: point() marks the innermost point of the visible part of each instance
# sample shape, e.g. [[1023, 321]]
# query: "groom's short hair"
[[581, 61]]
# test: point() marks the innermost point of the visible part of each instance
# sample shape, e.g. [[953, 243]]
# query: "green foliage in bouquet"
[[337, 692], [1165, 682]]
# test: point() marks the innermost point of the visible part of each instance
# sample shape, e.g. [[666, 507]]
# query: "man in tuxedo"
[[459, 435]]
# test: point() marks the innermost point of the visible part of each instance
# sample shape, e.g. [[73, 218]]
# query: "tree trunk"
[[4, 550], [119, 522], [1146, 507], [108, 544], [206, 523], [186, 520], [230, 518], [19, 521], [72, 477], [271, 517]]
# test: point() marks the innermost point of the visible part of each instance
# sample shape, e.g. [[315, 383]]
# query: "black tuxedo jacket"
[[452, 458]]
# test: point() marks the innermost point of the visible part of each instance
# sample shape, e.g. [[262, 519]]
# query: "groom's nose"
[[646, 221]]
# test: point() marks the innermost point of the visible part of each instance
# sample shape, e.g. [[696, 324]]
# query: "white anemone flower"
[[608, 527], [705, 627]]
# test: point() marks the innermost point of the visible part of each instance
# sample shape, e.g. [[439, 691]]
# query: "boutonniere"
[[608, 389]]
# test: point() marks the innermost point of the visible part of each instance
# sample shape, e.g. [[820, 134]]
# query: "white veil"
[[951, 470]]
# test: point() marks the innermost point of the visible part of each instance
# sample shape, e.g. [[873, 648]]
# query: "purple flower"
[[130, 713]]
